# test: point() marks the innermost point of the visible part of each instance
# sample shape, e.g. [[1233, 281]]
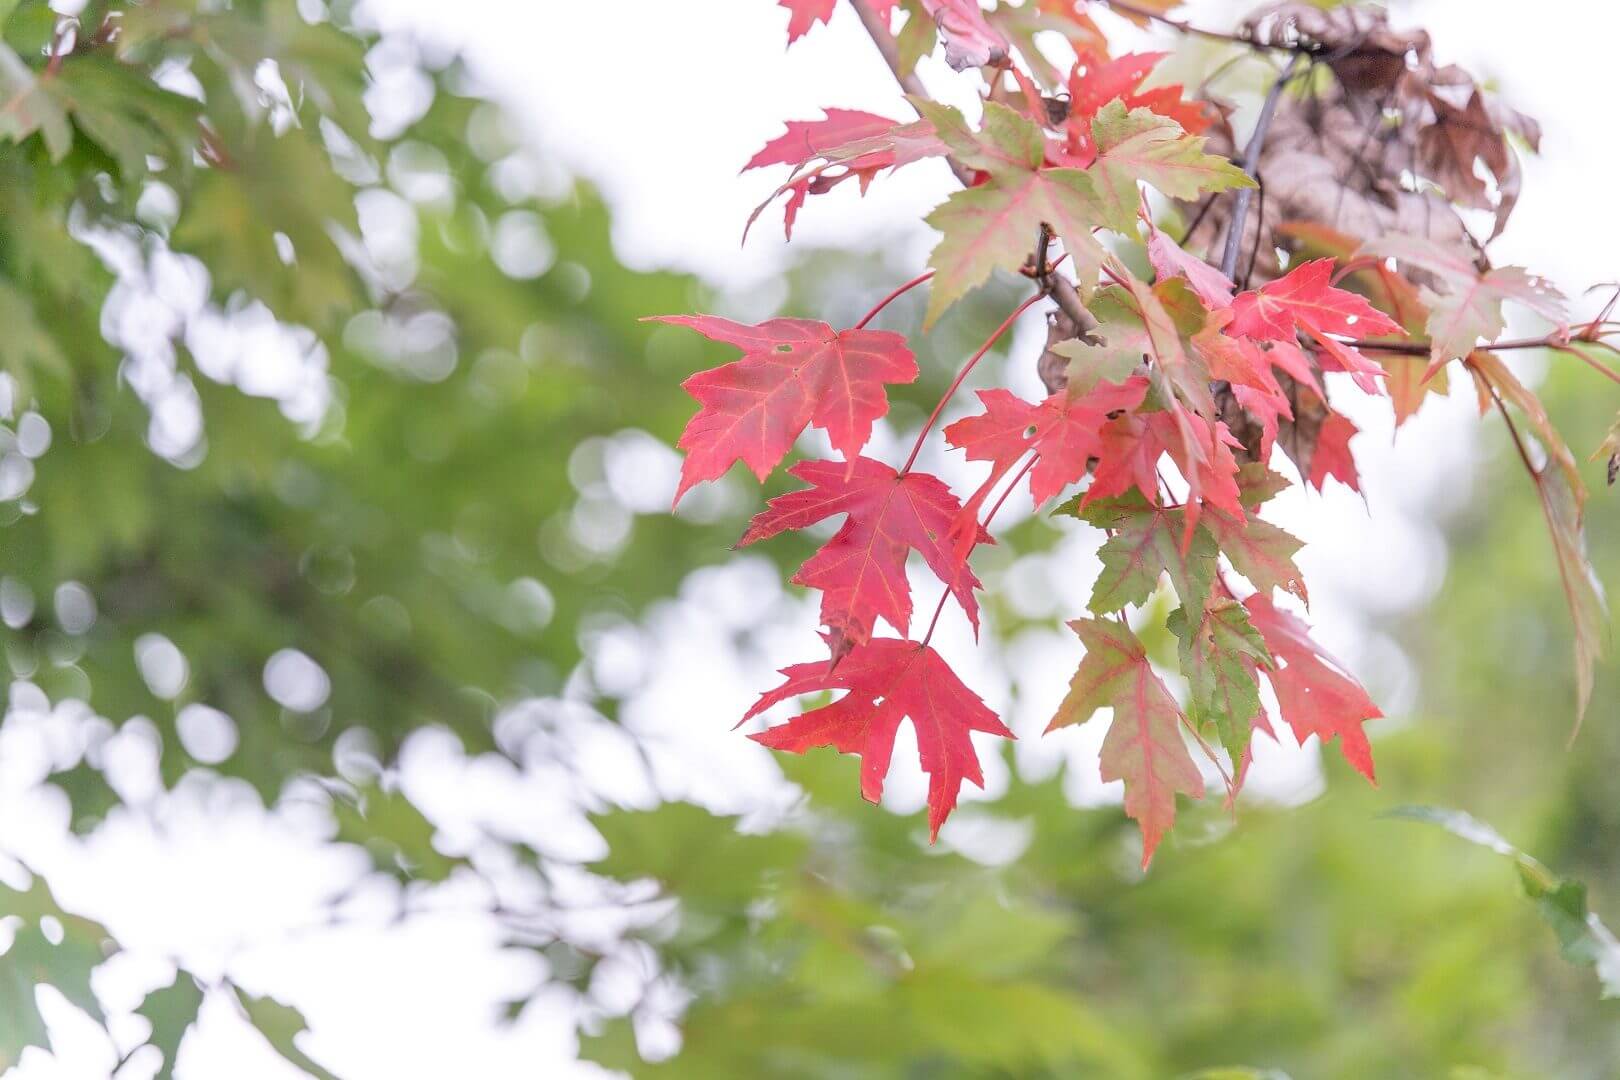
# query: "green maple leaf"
[[30, 107], [1008, 142], [1258, 484], [34, 959], [1140, 145], [1218, 658], [1147, 542], [995, 225], [280, 1025], [1121, 344], [1259, 550], [171, 1011], [1143, 747]]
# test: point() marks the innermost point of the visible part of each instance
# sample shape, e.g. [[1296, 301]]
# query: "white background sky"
[[659, 102]]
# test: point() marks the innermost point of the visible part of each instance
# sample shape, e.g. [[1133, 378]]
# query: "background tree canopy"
[[335, 466]]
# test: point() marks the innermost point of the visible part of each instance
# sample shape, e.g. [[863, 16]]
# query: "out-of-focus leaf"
[[697, 856], [280, 1025], [1562, 492], [1582, 936], [129, 116], [397, 836], [34, 959], [171, 1011], [26, 107], [277, 186]]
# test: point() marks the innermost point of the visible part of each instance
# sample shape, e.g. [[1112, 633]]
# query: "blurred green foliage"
[[442, 536]]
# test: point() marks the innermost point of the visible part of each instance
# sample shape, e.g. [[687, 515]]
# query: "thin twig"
[[1056, 286], [1250, 162], [877, 29], [1259, 228], [1198, 218], [1059, 288], [1423, 348], [1300, 48], [1518, 440], [956, 383]]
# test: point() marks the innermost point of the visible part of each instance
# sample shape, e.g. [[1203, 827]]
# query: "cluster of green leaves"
[[420, 542], [441, 539], [1314, 941]]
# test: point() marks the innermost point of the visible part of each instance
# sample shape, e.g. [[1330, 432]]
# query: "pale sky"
[[659, 103]]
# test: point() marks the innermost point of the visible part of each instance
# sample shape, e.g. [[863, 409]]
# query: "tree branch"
[[1124, 7], [878, 31], [1249, 164], [1053, 285], [1419, 347]]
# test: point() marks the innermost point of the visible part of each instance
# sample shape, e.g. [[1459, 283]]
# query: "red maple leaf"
[[1305, 296], [1169, 259], [1239, 361], [1167, 101], [887, 680], [852, 145], [794, 373], [1095, 80], [1203, 453], [1315, 694], [1304, 299], [1291, 359], [1129, 457], [1332, 455], [803, 14], [1064, 431], [862, 569], [806, 139]]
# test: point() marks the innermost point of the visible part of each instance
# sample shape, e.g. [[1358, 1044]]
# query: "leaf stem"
[[892, 297], [956, 383], [940, 607], [1593, 362], [1518, 440]]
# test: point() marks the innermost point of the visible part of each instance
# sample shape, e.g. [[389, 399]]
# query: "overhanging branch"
[[1059, 288]]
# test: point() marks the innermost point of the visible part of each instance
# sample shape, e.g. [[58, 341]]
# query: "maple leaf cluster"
[[1146, 405]]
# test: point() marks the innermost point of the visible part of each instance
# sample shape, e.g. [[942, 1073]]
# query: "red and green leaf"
[[1137, 145], [1315, 694], [1144, 745], [1220, 650], [1146, 542]]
